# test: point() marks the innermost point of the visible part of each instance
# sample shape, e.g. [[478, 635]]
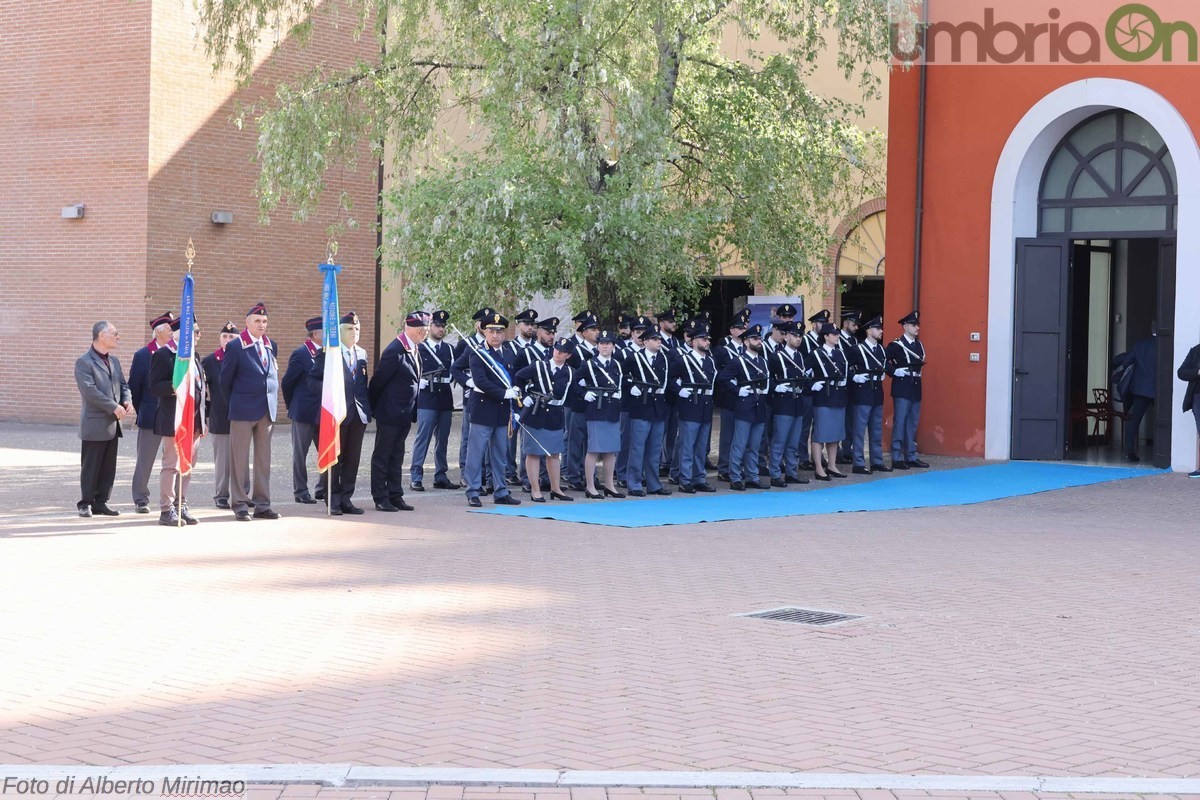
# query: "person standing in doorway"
[[1144, 358], [1189, 371]]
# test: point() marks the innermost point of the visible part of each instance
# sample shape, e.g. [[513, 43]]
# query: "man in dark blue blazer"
[[342, 476], [146, 405], [250, 379], [303, 408], [490, 393], [1144, 357], [394, 400]]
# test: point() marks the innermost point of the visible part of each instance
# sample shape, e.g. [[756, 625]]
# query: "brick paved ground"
[[1051, 635], [592, 793]]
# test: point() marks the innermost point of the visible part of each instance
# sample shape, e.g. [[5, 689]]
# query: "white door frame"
[[1014, 215]]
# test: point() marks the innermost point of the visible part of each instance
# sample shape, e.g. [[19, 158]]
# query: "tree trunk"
[[603, 299]]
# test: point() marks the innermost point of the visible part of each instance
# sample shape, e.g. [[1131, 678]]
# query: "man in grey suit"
[[106, 401]]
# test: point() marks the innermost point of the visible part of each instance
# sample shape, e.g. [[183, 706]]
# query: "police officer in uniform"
[[599, 382], [394, 396], [645, 373], [462, 363], [547, 383], [492, 396], [830, 372], [730, 348], [633, 345], [868, 363], [789, 382], [146, 405], [342, 477], [541, 349], [587, 330], [693, 375], [905, 361], [435, 406], [303, 408], [514, 350], [848, 341], [810, 344], [218, 416], [748, 382], [667, 326]]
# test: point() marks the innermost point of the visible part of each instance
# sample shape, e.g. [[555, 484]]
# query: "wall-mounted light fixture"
[[222, 217], [73, 212]]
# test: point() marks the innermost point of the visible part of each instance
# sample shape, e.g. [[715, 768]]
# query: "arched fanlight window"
[[1111, 175]]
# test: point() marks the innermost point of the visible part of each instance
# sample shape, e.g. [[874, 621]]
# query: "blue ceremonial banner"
[[333, 388], [187, 316]]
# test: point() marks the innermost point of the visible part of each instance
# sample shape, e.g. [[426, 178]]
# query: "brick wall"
[[73, 130], [136, 126]]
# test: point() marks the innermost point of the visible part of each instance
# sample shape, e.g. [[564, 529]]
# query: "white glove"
[[470, 383], [583, 383], [590, 397], [527, 402], [424, 384], [636, 391], [781, 389], [901, 373], [685, 393], [818, 386], [511, 393], [861, 378], [516, 417], [679, 381], [745, 391]]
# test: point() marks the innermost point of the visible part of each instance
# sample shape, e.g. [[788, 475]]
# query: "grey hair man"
[[106, 401]]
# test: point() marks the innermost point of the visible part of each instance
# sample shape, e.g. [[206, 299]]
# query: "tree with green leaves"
[[603, 146]]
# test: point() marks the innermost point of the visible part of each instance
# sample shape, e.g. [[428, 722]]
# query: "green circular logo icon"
[[1133, 32]]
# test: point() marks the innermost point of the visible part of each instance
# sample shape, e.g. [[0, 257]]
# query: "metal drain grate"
[[804, 616]]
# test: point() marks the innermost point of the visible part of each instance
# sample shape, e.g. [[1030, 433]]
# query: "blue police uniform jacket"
[[393, 390], [725, 352], [788, 368], [605, 408], [584, 352], [144, 401], [531, 355], [486, 401], [556, 388], [832, 369], [218, 403], [868, 359], [690, 370], [650, 374], [747, 370], [436, 360], [252, 389], [303, 404], [903, 353]]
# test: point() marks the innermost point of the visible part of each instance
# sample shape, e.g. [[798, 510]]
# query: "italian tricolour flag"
[[184, 379]]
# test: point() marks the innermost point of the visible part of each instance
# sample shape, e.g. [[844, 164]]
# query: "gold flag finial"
[[331, 251], [190, 253]]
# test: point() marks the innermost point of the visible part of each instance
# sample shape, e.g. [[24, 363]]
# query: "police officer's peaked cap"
[[912, 319], [820, 316]]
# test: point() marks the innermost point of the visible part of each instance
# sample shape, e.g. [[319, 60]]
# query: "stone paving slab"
[[1048, 635]]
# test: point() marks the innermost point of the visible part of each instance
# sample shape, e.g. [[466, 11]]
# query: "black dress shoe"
[[709, 465], [105, 510], [336, 511], [899, 465], [306, 499], [822, 478], [565, 497], [577, 487], [419, 487], [622, 484], [169, 518], [512, 480], [845, 460], [806, 466], [611, 493], [486, 490], [400, 505], [779, 483], [141, 508], [758, 485], [591, 496], [446, 485], [385, 506], [880, 468], [319, 494], [662, 492], [837, 474], [637, 492], [242, 516], [267, 513], [673, 481], [664, 471], [526, 488], [350, 508], [723, 476], [688, 489], [704, 487], [84, 511], [796, 479], [861, 471], [918, 464], [737, 486], [507, 500], [221, 503], [474, 502], [188, 519], [538, 499]]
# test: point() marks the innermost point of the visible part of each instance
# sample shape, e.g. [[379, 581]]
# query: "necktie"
[[262, 354], [349, 363]]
